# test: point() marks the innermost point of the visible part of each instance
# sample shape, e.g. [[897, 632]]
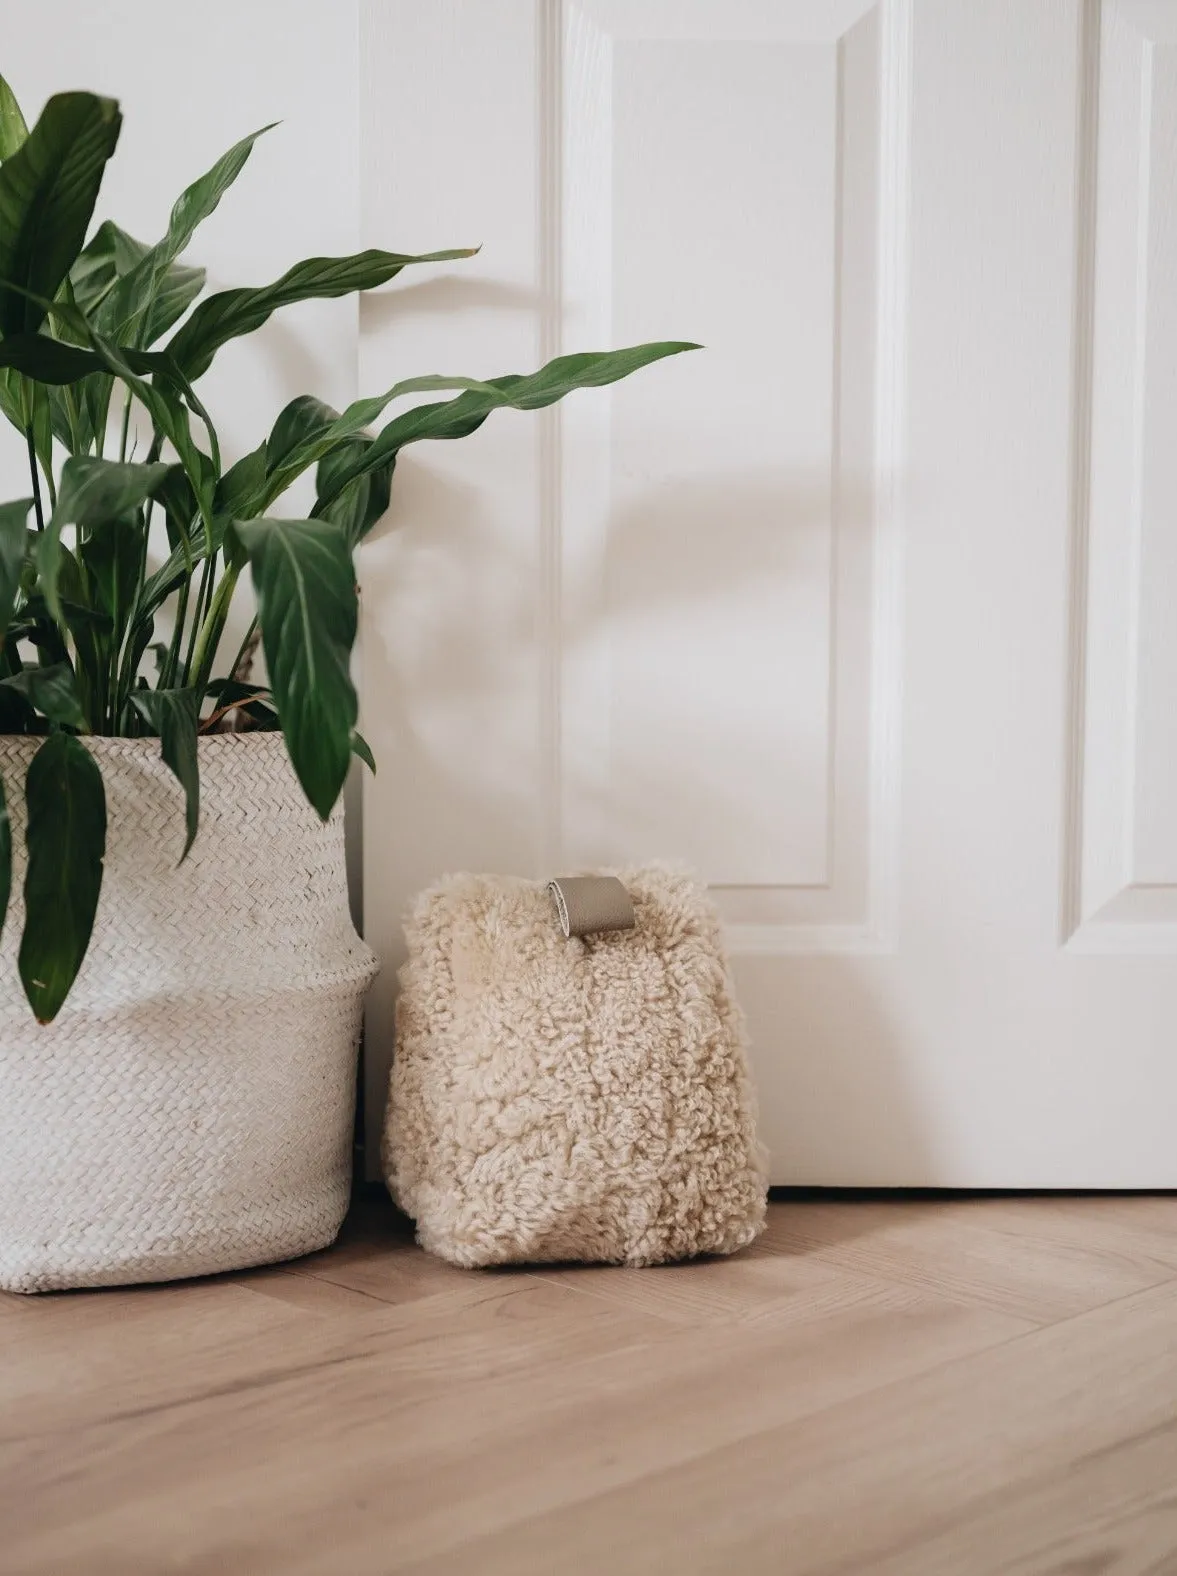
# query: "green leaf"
[[175, 293], [198, 201], [91, 631], [111, 556], [169, 577], [109, 253], [94, 396], [109, 256], [307, 430], [141, 636], [23, 402], [51, 691], [49, 360], [242, 484], [17, 716], [10, 404], [93, 492], [13, 547], [361, 747], [456, 418], [181, 509], [5, 855], [132, 305], [47, 192], [303, 420], [307, 606], [67, 843], [173, 714], [63, 419], [171, 419], [13, 132], [363, 500], [165, 408], [232, 313]]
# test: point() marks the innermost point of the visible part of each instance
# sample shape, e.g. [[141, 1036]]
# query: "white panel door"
[[865, 609]]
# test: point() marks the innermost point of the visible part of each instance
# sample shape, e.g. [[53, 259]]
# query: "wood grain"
[[826, 1403], [1022, 1258]]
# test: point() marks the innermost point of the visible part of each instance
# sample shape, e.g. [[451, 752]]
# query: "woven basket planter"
[[190, 1109]]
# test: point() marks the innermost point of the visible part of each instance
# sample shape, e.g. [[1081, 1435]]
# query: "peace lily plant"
[[97, 329]]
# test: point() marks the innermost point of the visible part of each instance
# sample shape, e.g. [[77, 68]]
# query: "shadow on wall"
[[452, 631], [721, 671], [452, 677], [715, 599]]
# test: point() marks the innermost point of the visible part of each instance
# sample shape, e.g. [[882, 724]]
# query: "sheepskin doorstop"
[[558, 1098]]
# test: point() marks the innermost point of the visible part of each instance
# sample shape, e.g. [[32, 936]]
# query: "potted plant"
[[180, 984]]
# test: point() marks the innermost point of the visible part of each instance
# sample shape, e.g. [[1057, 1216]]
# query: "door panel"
[[1123, 855], [861, 609], [717, 597]]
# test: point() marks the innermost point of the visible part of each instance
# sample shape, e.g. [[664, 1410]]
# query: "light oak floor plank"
[[841, 1489], [1029, 1259], [1111, 1513], [957, 1387]]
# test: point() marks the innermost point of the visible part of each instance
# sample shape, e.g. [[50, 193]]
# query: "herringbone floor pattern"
[[906, 1389]]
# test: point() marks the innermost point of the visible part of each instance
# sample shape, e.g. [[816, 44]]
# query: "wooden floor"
[[904, 1389]]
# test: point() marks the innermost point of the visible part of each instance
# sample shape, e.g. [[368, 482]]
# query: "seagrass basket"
[[190, 1109]]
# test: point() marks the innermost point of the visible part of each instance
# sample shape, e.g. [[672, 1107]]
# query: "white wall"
[[189, 89]]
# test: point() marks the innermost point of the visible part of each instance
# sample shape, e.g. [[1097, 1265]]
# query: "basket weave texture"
[[190, 1109]]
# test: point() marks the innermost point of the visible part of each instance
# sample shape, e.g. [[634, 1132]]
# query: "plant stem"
[[235, 670], [213, 718], [167, 678], [71, 410], [198, 616], [153, 454], [126, 426], [35, 473], [125, 681], [212, 629]]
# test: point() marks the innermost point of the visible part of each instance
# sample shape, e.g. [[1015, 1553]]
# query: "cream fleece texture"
[[558, 1099]]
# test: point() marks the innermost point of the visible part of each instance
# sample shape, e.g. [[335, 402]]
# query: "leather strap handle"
[[590, 903]]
